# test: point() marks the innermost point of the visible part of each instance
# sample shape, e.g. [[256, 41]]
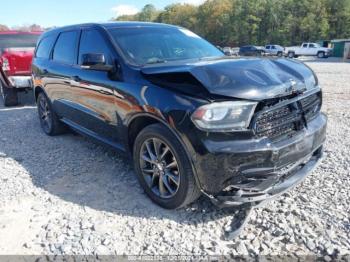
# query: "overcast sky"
[[64, 12]]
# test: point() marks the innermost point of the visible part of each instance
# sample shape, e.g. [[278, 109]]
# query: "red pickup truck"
[[16, 53]]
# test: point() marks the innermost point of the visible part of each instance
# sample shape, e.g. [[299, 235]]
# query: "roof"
[[113, 25], [14, 32]]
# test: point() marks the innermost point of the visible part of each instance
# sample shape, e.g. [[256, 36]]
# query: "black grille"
[[287, 119], [311, 105]]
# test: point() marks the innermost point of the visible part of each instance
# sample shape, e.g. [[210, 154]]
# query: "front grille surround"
[[287, 118]]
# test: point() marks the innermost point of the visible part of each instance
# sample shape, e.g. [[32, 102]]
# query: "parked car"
[[193, 121], [227, 51], [250, 50], [308, 49], [275, 50], [16, 53]]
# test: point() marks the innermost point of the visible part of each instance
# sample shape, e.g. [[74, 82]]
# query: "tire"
[[9, 95], [279, 54], [49, 121], [321, 55], [291, 55], [180, 188]]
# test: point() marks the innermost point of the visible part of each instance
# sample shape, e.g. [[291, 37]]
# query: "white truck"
[[308, 49]]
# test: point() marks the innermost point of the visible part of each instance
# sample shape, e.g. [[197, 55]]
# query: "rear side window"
[[65, 48], [45, 47], [92, 42]]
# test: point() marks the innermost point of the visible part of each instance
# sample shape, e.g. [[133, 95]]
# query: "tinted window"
[[304, 45], [18, 40], [267, 47], [92, 42], [65, 47], [273, 47], [45, 47], [312, 45], [149, 45]]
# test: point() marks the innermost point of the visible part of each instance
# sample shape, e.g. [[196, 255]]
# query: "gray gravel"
[[68, 195]]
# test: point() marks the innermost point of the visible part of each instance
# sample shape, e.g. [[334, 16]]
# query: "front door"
[[93, 91]]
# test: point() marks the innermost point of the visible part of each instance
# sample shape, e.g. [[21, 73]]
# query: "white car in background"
[[308, 49], [275, 50]]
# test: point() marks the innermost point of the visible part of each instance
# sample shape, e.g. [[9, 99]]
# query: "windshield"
[[150, 45], [18, 40]]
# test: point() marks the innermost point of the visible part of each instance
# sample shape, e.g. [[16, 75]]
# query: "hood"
[[19, 60], [253, 79]]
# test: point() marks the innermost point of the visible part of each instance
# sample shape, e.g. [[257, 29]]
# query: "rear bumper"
[[249, 171], [21, 81]]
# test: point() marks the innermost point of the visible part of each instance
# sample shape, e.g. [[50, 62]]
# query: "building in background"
[[341, 47]]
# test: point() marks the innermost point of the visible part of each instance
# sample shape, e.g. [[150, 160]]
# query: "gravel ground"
[[68, 195]]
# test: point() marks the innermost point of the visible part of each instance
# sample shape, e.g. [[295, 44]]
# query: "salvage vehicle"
[[239, 131], [308, 49], [16, 53]]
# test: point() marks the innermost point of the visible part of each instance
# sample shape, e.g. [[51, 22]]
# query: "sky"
[[48, 13]]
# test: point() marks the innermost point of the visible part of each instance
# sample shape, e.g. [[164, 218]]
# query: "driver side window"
[[92, 42]]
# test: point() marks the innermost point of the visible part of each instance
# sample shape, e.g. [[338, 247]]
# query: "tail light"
[[5, 64]]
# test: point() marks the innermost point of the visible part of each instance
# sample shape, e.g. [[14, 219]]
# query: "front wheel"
[[321, 55], [163, 168]]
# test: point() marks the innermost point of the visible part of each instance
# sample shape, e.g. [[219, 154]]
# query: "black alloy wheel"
[[163, 167], [159, 168]]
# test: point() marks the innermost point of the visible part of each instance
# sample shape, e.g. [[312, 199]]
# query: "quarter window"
[[65, 48], [45, 47], [92, 42]]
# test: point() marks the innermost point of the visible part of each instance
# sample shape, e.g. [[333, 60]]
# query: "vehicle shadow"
[[82, 172]]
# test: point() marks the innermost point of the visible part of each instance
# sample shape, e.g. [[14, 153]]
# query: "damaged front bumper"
[[258, 172], [275, 185]]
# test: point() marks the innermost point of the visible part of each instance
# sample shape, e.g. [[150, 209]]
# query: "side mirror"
[[95, 62]]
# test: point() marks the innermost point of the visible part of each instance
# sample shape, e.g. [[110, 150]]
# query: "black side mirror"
[[95, 62]]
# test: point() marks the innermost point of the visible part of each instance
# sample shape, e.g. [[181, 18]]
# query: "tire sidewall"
[[321, 55], [291, 55], [171, 140], [43, 96]]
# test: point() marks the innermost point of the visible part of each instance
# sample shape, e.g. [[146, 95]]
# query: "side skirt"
[[86, 132]]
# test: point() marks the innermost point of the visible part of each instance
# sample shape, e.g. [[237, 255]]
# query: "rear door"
[[62, 69]]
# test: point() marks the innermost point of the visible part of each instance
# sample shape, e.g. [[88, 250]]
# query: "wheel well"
[[136, 126], [37, 91]]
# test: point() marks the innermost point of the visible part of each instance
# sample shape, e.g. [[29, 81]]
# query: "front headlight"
[[224, 116]]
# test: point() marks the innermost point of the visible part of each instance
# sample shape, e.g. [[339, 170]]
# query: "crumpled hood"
[[245, 78]]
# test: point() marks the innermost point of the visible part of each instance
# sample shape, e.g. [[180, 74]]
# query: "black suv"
[[239, 131]]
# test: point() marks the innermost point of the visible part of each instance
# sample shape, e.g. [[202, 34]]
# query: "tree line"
[[240, 22]]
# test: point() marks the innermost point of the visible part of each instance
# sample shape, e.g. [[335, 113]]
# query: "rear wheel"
[[9, 95], [279, 54], [291, 54], [163, 168], [49, 121]]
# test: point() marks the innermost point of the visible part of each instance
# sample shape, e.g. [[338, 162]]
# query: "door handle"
[[76, 78]]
